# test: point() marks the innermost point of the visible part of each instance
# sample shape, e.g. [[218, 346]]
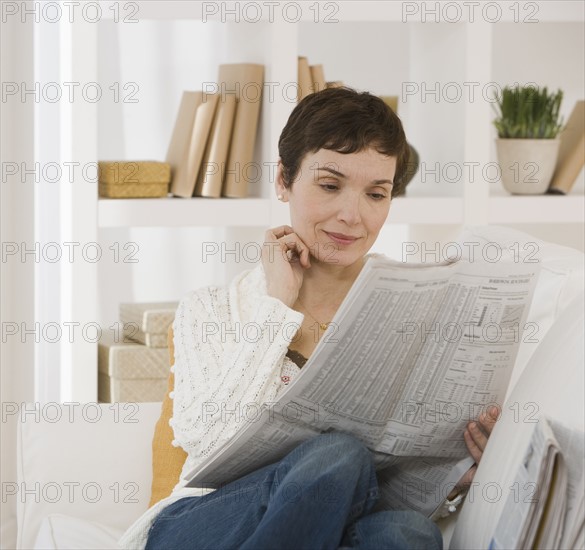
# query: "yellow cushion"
[[167, 461]]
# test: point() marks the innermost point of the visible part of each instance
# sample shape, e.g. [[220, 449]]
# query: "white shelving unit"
[[473, 57]]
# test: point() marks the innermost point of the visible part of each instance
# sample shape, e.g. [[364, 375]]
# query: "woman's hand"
[[284, 257], [476, 437]]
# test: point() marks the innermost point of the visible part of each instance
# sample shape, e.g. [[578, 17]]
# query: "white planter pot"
[[527, 165]]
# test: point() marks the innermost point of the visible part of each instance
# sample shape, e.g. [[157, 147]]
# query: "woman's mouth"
[[342, 239]]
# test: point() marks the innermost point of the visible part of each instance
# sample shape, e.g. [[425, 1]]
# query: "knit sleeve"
[[220, 367]]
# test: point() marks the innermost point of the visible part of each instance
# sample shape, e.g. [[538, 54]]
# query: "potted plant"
[[528, 123]]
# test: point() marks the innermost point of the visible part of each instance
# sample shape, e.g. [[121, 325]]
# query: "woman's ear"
[[279, 186]]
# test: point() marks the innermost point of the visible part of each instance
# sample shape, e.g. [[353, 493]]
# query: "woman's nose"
[[349, 210]]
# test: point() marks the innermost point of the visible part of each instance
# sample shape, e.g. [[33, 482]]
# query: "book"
[[305, 80], [247, 81], [391, 101], [189, 140], [317, 78], [212, 172], [571, 152], [407, 361]]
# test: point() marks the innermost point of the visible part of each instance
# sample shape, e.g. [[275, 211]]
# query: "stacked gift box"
[[135, 366], [133, 179]]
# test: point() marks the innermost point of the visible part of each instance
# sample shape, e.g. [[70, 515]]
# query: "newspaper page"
[[413, 353], [422, 484]]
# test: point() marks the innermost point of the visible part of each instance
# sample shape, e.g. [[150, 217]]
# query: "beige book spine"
[[247, 79], [391, 101], [305, 81], [571, 153], [181, 138], [211, 174], [183, 184], [317, 78]]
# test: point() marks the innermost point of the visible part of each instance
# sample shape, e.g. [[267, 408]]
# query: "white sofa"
[[87, 480], [83, 479]]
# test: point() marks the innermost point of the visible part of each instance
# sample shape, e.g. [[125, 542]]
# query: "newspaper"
[[414, 352], [544, 509]]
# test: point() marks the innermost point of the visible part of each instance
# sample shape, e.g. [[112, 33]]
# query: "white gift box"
[[131, 372], [147, 322]]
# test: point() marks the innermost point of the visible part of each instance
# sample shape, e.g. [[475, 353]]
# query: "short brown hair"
[[346, 121]]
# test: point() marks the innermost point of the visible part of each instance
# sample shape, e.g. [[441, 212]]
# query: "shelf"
[[201, 212], [175, 212], [537, 209]]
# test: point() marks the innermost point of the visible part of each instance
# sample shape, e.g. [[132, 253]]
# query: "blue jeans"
[[320, 495]]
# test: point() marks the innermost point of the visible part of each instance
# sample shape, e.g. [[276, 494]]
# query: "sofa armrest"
[[90, 461]]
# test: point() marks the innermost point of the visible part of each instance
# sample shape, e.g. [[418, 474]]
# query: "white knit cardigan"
[[230, 348]]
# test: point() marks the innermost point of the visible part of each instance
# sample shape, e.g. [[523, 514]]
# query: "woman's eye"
[[377, 196], [329, 187]]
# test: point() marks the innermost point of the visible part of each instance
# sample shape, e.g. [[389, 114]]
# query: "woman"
[[342, 158]]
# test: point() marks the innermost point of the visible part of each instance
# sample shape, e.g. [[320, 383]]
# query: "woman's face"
[[337, 194]]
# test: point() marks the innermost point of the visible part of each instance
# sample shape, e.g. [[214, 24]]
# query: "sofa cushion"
[[61, 532], [94, 462], [167, 461]]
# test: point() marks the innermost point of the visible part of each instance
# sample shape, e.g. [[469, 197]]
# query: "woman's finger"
[[474, 449], [281, 231], [488, 419], [295, 249]]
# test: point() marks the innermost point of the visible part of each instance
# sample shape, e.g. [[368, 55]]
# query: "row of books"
[[214, 136], [311, 78], [571, 157]]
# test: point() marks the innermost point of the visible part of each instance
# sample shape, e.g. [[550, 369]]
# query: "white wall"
[[17, 279]]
